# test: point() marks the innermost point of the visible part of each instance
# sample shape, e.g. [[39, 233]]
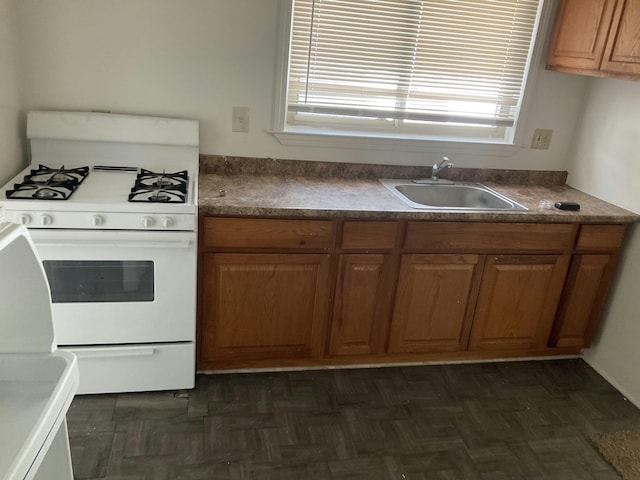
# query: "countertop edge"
[[430, 215]]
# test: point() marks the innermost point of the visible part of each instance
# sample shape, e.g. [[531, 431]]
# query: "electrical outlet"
[[240, 119], [541, 139]]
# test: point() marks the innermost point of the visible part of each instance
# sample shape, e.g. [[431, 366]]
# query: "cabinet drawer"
[[369, 235], [600, 237], [268, 233], [488, 237]]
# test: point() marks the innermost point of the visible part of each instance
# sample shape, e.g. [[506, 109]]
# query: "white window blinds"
[[410, 62]]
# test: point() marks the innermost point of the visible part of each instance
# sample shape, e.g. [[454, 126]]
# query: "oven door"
[[120, 287]]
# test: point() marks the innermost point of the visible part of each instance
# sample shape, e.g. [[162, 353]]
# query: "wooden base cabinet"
[[362, 303], [586, 291], [263, 305], [588, 283], [434, 303], [518, 301], [312, 292]]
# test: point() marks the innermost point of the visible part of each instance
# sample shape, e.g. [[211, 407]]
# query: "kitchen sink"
[[450, 196]]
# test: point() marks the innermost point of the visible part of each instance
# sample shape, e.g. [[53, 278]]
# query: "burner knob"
[[46, 220], [166, 222], [147, 222], [24, 219], [97, 220]]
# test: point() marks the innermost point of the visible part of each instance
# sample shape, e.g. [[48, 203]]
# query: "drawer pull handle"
[[114, 352], [102, 244]]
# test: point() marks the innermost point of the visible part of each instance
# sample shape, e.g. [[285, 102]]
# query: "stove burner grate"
[[46, 183], [57, 176], [149, 179], [160, 187], [157, 195]]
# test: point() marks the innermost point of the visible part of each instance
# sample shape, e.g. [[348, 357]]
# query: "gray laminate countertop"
[[288, 195]]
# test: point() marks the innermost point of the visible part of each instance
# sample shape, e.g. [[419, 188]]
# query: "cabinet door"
[[517, 302], [363, 304], [622, 54], [580, 33], [258, 306], [584, 298], [434, 303]]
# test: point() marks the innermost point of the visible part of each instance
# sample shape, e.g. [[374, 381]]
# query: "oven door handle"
[[111, 352], [186, 244]]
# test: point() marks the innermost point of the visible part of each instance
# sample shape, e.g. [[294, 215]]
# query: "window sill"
[[400, 144]]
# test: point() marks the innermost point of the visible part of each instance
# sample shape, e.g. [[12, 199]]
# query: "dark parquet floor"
[[514, 420]]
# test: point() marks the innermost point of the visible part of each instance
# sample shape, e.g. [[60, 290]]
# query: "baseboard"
[[209, 371]]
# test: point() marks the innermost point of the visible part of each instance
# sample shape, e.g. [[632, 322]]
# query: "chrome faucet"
[[438, 167]]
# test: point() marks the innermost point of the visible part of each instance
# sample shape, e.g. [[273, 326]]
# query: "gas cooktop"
[[45, 183]]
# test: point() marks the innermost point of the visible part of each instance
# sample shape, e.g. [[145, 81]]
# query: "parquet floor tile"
[[507, 420]]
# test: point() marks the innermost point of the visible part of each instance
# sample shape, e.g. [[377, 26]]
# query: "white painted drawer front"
[[135, 368]]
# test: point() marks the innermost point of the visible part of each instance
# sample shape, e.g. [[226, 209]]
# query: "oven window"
[[81, 281]]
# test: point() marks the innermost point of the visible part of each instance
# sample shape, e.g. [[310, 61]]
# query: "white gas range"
[[110, 202]]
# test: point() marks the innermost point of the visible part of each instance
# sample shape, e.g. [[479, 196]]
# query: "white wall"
[[607, 164], [198, 58], [10, 92]]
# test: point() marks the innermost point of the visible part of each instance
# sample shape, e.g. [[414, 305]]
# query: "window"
[[439, 69]]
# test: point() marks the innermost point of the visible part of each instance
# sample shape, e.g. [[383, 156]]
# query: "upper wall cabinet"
[[597, 37]]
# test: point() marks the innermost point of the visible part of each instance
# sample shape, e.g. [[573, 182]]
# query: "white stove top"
[[101, 201], [101, 191]]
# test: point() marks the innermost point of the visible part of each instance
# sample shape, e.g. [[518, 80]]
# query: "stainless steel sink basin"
[[456, 196]]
